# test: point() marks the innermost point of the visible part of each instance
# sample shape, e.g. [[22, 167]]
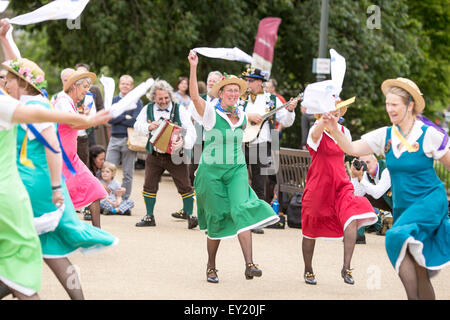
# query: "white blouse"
[[431, 142], [209, 116], [39, 126], [7, 107], [141, 125], [315, 145]]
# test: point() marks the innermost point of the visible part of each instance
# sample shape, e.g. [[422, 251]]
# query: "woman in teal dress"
[[226, 204], [20, 248], [418, 244], [41, 175]]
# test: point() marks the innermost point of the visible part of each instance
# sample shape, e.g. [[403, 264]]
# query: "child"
[[113, 203]]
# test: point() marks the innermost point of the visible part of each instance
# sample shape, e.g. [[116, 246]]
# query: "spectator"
[[96, 159], [113, 203], [374, 182], [181, 96], [118, 150]]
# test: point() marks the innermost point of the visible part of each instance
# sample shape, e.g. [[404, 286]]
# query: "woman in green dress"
[[226, 204]]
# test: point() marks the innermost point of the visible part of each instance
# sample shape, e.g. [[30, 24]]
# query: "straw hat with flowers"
[[28, 71], [228, 79]]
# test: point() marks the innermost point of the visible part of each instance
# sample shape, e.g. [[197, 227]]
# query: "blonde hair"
[[403, 94], [110, 166]]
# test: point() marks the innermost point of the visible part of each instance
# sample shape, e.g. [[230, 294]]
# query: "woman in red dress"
[[330, 210]]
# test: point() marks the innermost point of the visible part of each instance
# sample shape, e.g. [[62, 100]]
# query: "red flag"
[[265, 43]]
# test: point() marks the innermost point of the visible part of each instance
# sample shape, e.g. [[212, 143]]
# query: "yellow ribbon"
[[404, 142], [23, 153]]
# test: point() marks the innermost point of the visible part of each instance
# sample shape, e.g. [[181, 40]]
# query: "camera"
[[358, 164]]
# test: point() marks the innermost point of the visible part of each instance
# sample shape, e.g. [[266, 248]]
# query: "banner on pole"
[[266, 39]]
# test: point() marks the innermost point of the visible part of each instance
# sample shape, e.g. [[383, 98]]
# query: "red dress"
[[328, 201]]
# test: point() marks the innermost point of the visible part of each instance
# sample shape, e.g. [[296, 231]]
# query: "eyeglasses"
[[250, 80]]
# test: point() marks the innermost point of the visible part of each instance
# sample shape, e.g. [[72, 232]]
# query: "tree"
[[153, 38]]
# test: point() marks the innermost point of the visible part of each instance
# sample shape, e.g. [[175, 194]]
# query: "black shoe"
[[258, 231], [126, 213], [252, 270], [347, 276], [211, 275], [361, 240], [87, 215], [180, 214], [147, 221], [192, 222]]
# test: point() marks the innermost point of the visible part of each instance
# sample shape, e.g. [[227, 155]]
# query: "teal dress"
[[71, 234], [226, 204], [420, 211]]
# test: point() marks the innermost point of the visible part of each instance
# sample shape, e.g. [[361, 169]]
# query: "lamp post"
[[323, 39]]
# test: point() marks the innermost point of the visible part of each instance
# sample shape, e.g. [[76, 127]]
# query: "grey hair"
[[160, 85], [79, 82], [214, 73]]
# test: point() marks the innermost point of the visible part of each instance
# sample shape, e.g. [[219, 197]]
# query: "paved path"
[[169, 261]]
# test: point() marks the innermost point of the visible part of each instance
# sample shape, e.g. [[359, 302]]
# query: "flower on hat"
[[38, 80]]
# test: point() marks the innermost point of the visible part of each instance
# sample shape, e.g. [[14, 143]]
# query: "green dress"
[[71, 234], [226, 204], [20, 248]]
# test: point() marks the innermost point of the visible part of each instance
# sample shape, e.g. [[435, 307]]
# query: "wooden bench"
[[293, 165]]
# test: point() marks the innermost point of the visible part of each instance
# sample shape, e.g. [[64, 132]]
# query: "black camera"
[[358, 164]]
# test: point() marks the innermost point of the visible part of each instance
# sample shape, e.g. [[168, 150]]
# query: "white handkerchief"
[[59, 9], [48, 221], [108, 86], [3, 5], [234, 54], [129, 101], [338, 67], [318, 97]]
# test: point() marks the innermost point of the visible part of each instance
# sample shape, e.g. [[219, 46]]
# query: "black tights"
[[245, 240], [350, 235], [415, 279], [67, 276]]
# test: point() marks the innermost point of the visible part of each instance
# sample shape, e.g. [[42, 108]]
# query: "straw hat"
[[228, 79], [28, 71], [77, 75], [410, 87]]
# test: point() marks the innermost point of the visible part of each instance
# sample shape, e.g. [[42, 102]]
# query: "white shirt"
[[283, 116], [209, 116], [381, 186], [315, 145], [7, 107], [69, 106], [39, 126], [141, 125], [431, 141]]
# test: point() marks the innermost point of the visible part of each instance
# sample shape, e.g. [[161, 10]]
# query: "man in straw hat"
[[85, 190], [162, 106], [418, 244], [257, 102], [226, 204]]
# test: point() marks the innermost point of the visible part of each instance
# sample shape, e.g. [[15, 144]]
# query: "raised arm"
[[199, 103], [7, 50]]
